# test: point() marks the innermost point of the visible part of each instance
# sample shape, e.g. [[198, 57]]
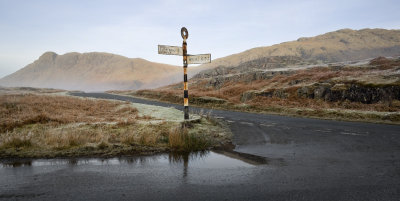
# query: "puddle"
[[203, 160], [165, 170]]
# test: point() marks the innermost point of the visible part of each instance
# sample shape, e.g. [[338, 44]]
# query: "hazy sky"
[[135, 28]]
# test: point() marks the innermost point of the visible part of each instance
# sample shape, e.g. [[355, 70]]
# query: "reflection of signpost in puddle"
[[178, 158], [187, 59]]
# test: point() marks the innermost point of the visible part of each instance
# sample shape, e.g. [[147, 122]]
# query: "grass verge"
[[301, 107], [46, 126]]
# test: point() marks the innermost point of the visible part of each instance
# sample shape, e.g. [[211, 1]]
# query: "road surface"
[[306, 159]]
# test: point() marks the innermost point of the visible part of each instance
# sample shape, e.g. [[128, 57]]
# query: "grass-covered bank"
[[368, 92], [39, 125], [279, 107]]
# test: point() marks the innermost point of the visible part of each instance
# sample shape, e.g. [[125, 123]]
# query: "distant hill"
[[93, 72], [103, 71], [337, 46]]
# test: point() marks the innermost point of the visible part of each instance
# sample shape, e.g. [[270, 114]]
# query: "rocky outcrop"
[[248, 95], [219, 81], [354, 92], [279, 93]]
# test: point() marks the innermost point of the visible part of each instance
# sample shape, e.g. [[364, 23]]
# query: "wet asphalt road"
[[318, 160]]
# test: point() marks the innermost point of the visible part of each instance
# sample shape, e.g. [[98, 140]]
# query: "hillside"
[[337, 46], [328, 76], [92, 72], [363, 91]]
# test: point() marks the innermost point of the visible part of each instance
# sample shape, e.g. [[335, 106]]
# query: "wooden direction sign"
[[187, 59], [170, 50], [199, 59]]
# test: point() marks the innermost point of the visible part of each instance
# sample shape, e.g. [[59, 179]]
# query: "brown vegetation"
[[20, 110], [310, 92], [49, 126]]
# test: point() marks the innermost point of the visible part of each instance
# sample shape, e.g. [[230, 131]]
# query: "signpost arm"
[[185, 35]]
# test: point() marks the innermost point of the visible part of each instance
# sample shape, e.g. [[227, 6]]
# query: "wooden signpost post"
[[187, 59]]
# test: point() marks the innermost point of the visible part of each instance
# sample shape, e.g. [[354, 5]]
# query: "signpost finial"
[[184, 33]]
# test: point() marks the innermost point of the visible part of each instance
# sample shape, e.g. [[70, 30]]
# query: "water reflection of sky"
[[168, 170], [207, 159]]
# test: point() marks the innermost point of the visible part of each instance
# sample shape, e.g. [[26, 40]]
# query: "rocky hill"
[[337, 46], [93, 72], [362, 91]]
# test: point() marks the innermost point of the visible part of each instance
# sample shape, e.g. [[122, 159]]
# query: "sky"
[[134, 28]]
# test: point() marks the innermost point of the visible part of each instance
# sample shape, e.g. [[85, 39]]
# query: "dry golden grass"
[[61, 122], [181, 139], [20, 110], [177, 137], [42, 125]]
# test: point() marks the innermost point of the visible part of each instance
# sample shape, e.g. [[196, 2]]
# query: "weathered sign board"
[[170, 50], [199, 59]]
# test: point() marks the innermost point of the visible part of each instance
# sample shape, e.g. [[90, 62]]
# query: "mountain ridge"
[[100, 71], [334, 46]]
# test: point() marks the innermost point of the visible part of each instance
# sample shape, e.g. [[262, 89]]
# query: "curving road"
[[306, 159]]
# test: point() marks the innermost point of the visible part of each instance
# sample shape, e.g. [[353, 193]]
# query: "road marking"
[[268, 125], [324, 131], [349, 133], [246, 123], [229, 121]]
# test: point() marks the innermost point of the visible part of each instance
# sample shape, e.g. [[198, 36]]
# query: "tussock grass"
[[16, 142], [20, 110], [103, 145], [181, 139]]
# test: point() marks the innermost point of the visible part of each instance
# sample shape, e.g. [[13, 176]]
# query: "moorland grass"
[[50, 126]]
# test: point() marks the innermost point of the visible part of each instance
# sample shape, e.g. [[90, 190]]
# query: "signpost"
[[187, 59]]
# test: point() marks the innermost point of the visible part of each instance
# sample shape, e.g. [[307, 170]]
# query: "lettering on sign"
[[170, 50], [199, 59]]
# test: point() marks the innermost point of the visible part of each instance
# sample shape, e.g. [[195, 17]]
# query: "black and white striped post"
[[187, 59]]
